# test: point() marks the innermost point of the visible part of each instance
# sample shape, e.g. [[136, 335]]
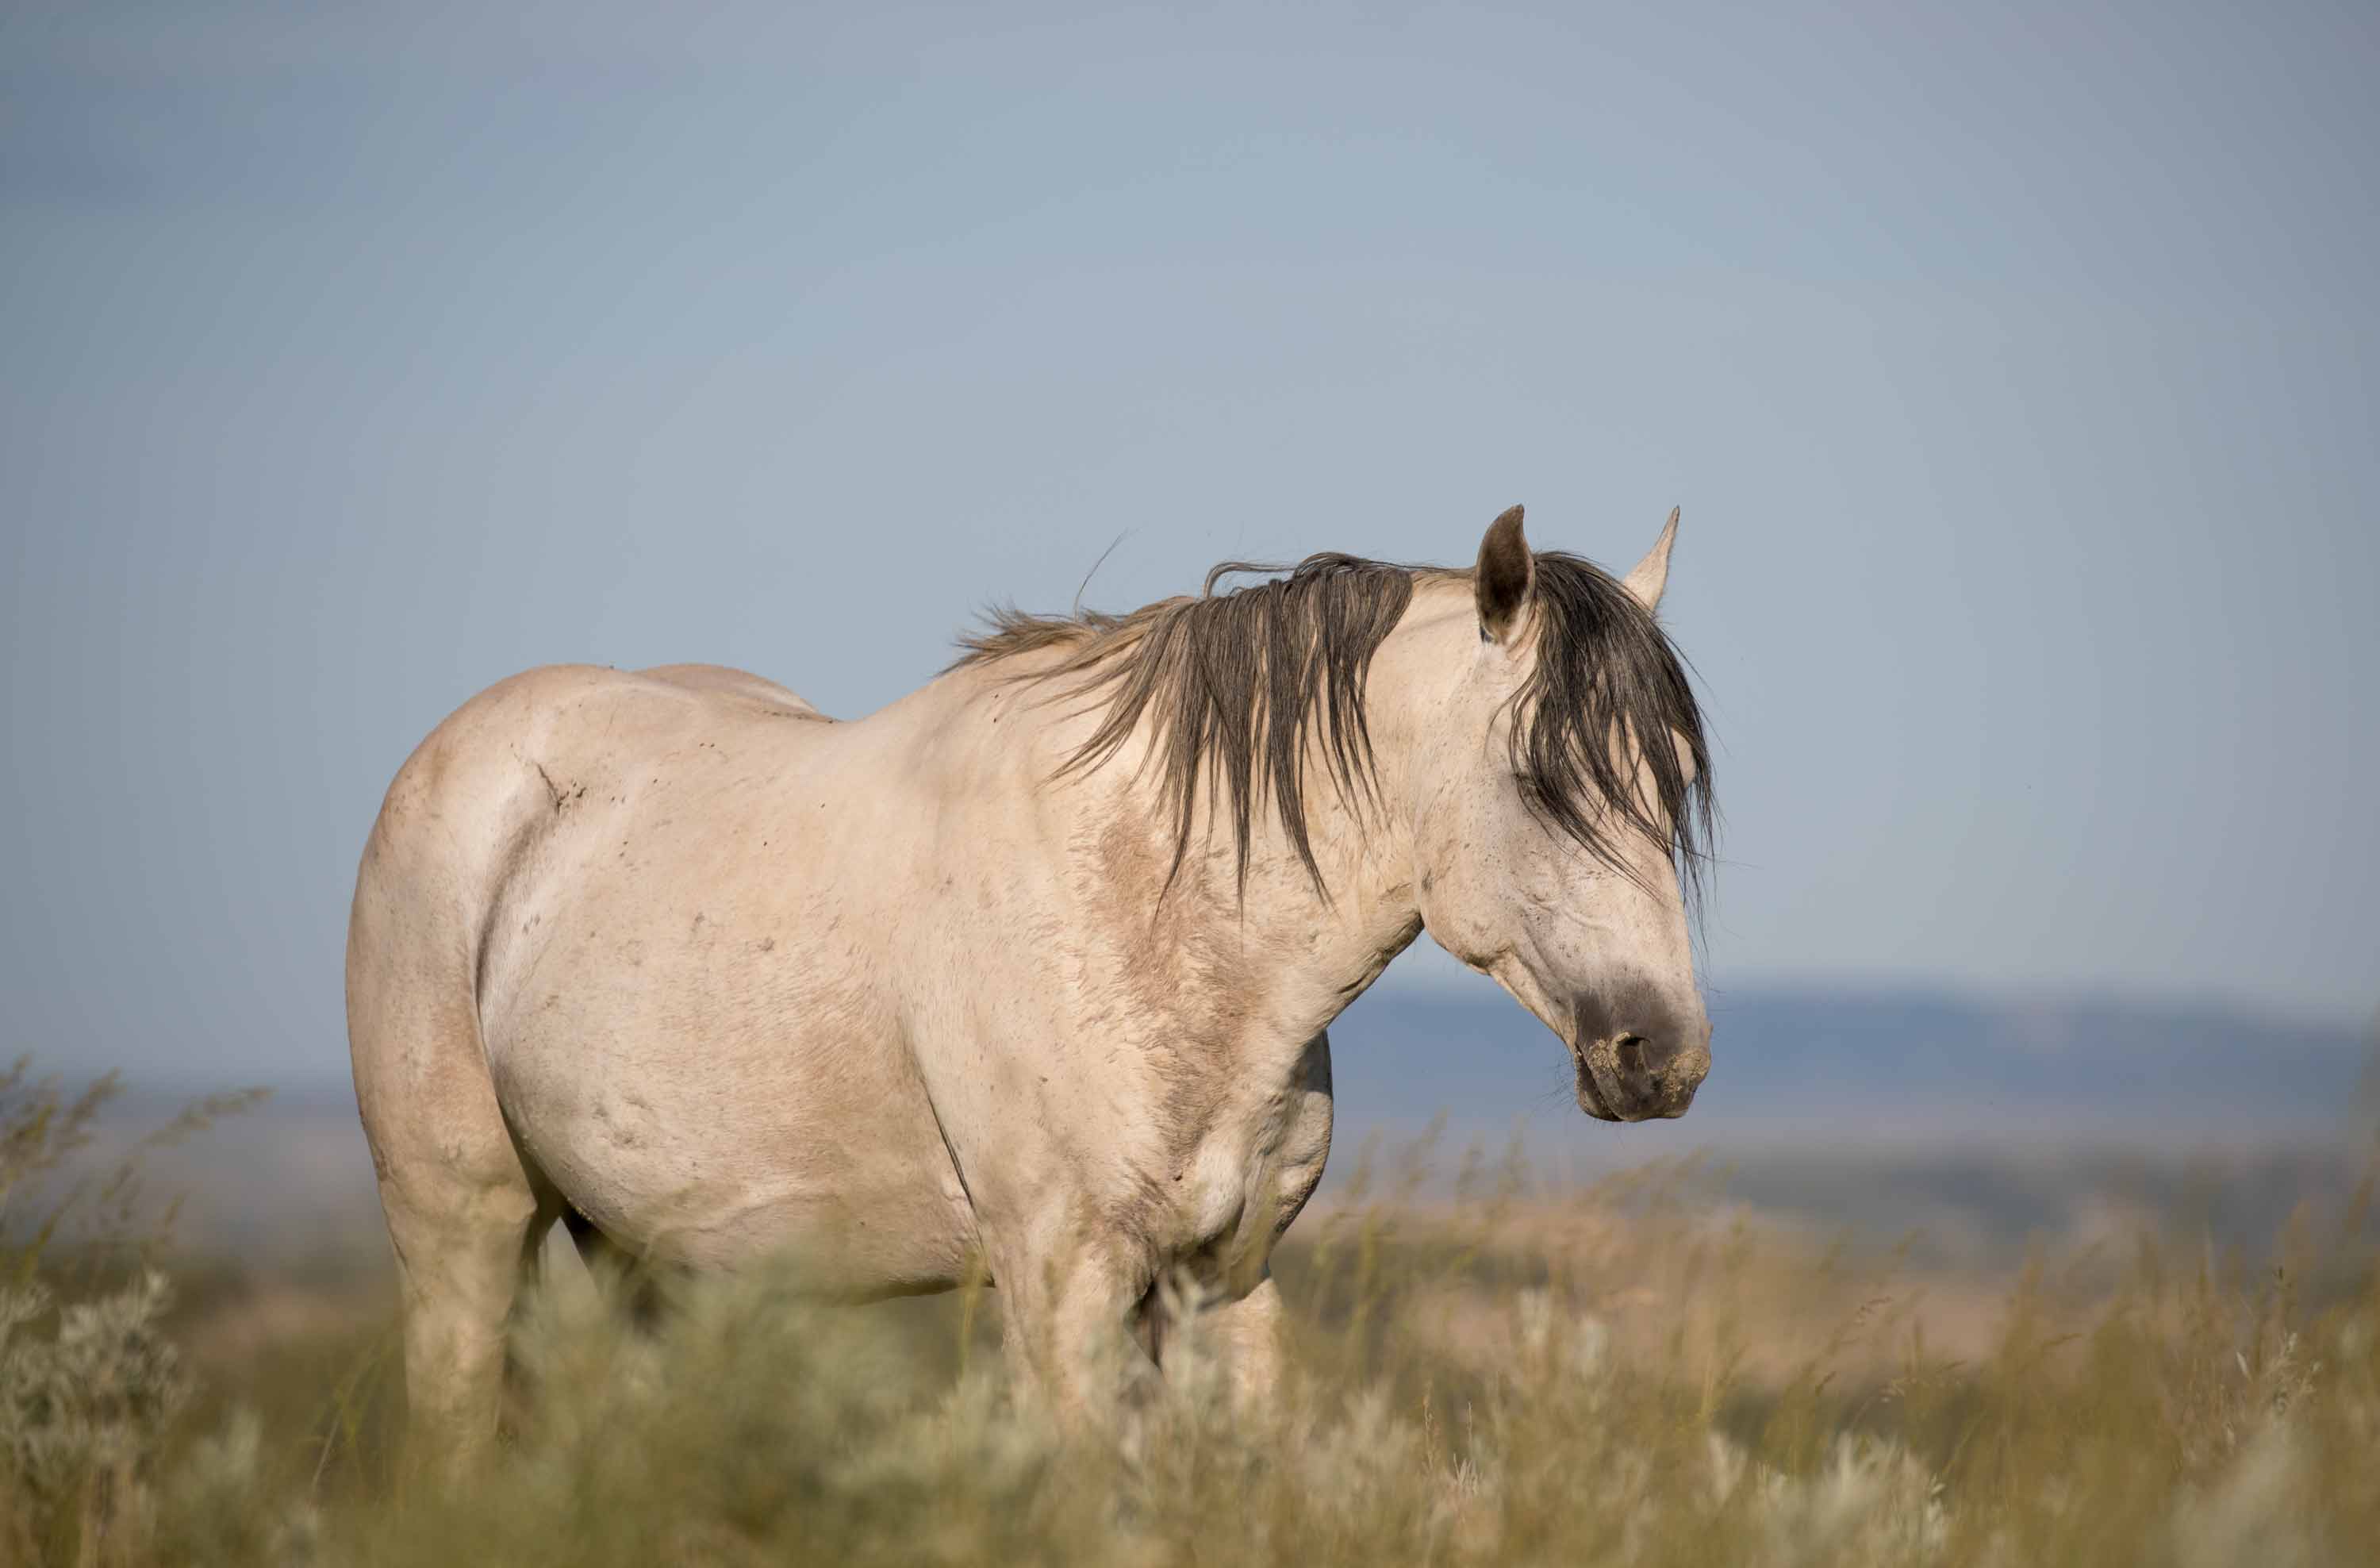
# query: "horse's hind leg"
[[461, 1213], [462, 1209]]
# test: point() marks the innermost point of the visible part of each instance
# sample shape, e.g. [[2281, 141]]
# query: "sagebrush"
[[1610, 1375]]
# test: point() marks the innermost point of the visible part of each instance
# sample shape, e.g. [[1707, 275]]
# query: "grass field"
[[1487, 1369]]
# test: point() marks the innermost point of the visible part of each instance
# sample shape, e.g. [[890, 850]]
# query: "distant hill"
[[1810, 1066]]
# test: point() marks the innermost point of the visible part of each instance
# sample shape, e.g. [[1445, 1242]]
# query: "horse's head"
[[1561, 815]]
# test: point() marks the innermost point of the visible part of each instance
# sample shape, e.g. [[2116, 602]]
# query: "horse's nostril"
[[1640, 1055]]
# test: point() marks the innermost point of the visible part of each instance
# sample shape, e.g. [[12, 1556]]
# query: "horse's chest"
[[1252, 1171]]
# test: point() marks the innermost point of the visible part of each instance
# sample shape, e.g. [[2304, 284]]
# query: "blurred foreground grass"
[[1617, 1373]]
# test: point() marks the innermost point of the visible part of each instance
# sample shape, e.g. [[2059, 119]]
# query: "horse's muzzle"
[[1633, 1077]]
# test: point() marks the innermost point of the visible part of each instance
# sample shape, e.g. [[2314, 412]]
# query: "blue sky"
[[2014, 367]]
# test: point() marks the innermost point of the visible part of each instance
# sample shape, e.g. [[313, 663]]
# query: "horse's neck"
[[1369, 911], [1329, 949], [1364, 843], [1310, 950]]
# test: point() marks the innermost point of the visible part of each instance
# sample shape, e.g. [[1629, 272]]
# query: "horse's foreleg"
[[1067, 1331], [1247, 1334]]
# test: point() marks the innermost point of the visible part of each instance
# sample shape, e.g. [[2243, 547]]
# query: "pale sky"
[[2014, 367]]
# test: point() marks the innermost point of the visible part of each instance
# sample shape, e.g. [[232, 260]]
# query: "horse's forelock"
[[1606, 673]]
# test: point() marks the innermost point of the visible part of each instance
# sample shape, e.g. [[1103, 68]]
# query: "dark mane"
[[1236, 685]]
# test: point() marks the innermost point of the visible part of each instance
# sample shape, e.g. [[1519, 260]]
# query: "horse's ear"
[[1652, 574], [1505, 574]]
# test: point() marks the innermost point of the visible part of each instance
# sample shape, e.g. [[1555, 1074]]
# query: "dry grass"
[[1619, 1374]]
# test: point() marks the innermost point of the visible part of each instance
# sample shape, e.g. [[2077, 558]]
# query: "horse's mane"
[[1236, 684]]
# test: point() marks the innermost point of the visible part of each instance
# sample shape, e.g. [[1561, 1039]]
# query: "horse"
[[1025, 979]]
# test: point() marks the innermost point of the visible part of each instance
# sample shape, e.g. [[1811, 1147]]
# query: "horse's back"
[[497, 776], [767, 694], [561, 729]]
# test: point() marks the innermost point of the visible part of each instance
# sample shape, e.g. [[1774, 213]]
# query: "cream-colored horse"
[[1026, 974]]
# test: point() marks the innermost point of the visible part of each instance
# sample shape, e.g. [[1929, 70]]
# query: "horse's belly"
[[711, 1150]]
